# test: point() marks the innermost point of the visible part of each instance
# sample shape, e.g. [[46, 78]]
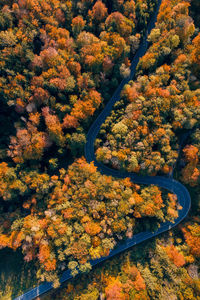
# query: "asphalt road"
[[162, 182]]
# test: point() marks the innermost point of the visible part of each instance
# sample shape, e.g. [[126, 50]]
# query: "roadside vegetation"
[[60, 62]]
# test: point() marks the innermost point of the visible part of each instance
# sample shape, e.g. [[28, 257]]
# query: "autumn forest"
[[60, 63]]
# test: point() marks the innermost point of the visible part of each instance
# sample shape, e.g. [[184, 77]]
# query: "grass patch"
[[16, 276]]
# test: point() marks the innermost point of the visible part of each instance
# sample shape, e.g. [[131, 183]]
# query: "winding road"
[[162, 182]]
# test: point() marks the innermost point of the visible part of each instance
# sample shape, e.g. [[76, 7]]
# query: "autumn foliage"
[[77, 216], [155, 111], [60, 62]]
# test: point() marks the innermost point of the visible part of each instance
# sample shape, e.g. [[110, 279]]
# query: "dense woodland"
[[145, 130], [60, 62], [77, 216], [158, 110], [163, 268]]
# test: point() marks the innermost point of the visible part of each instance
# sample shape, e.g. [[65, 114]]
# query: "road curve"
[[162, 182]]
